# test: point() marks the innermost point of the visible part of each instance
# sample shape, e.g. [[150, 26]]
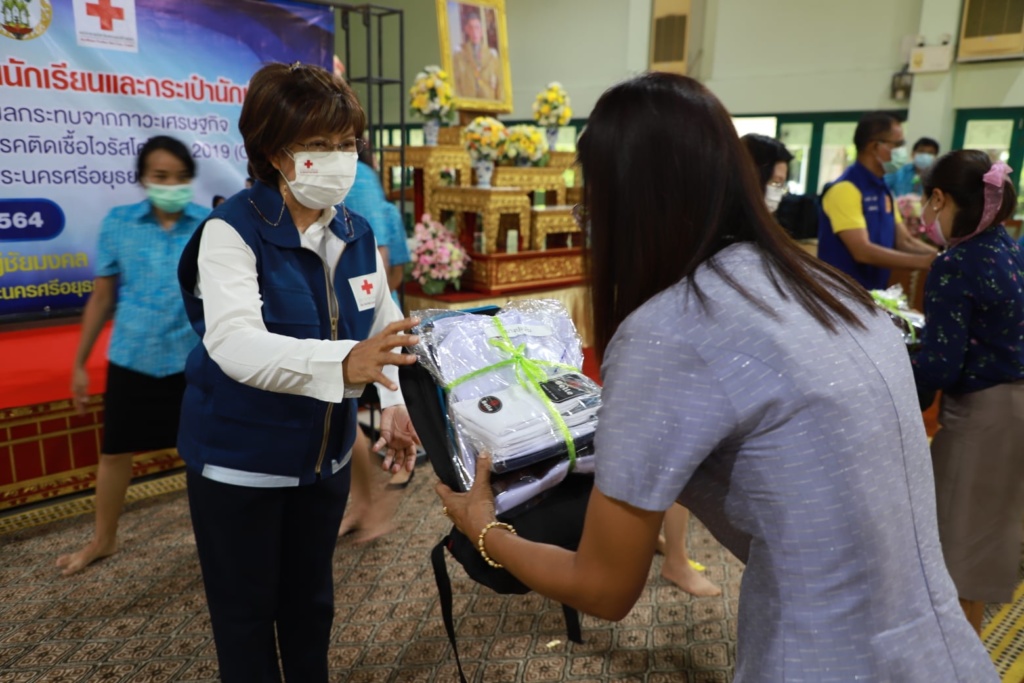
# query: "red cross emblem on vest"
[[105, 12], [367, 286]]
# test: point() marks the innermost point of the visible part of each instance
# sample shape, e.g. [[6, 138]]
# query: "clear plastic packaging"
[[894, 301], [514, 389]]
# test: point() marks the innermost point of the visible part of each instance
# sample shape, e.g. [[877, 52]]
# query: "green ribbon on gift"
[[894, 306], [529, 373]]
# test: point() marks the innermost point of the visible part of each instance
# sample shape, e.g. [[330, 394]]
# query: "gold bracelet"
[[480, 542]]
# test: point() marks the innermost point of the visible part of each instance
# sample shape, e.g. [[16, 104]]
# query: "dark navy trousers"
[[266, 556]]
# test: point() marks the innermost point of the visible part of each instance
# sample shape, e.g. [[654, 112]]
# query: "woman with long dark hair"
[[971, 350], [758, 387]]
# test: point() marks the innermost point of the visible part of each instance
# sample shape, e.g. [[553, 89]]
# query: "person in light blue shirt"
[[367, 199], [371, 504], [907, 178], [136, 282]]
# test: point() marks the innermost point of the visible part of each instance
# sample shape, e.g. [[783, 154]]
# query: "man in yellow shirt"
[[860, 232], [477, 67]]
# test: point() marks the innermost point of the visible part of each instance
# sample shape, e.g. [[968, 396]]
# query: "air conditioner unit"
[[991, 29], [671, 27]]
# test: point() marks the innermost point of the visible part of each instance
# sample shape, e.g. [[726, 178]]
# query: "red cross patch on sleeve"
[[364, 289]]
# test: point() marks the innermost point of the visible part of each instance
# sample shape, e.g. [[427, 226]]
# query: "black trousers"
[[266, 556]]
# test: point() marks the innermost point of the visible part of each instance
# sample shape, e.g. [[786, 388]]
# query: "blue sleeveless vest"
[[879, 213], [228, 424]]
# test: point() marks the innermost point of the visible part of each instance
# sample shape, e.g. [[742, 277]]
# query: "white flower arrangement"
[[526, 142], [552, 108], [431, 94], [485, 139]]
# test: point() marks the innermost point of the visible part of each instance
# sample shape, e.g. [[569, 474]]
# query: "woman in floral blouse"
[[973, 351]]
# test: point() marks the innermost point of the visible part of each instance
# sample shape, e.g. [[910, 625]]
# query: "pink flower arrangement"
[[909, 206], [438, 257]]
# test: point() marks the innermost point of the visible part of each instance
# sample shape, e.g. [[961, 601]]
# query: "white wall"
[[806, 55], [588, 45], [992, 84], [758, 56]]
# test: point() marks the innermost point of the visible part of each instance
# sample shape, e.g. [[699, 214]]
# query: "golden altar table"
[[551, 220], [491, 204], [550, 179], [427, 164]]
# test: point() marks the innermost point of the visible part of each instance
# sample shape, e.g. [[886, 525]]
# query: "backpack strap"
[[572, 624], [444, 592]]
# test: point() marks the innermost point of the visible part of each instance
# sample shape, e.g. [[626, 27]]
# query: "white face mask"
[[773, 196], [322, 179]]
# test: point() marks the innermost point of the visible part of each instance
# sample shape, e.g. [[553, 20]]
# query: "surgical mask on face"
[[322, 179], [923, 161], [773, 197], [933, 231], [170, 198], [897, 159]]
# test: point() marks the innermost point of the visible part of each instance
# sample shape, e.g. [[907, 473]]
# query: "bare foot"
[[350, 520], [690, 580], [368, 522], [73, 563], [401, 478]]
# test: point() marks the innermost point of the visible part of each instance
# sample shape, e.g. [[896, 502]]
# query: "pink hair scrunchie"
[[994, 180]]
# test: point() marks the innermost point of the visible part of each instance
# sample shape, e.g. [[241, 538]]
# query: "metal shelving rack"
[[371, 19]]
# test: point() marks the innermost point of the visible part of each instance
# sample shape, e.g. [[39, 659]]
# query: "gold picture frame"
[[481, 78]]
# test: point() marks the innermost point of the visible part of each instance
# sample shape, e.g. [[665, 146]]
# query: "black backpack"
[[555, 517], [798, 214]]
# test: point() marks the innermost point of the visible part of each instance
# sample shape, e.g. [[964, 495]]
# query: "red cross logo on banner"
[[367, 286], [106, 13], [308, 164]]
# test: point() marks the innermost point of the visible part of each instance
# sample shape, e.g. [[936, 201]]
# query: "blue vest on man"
[[228, 424], [880, 216]]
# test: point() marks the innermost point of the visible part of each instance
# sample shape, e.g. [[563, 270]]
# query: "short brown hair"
[[286, 103]]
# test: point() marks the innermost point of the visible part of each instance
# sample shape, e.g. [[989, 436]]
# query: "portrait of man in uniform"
[[474, 45]]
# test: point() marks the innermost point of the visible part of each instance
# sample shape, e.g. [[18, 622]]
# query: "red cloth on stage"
[[35, 364]]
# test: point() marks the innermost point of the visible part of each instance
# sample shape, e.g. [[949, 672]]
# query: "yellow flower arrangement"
[[551, 108], [485, 138], [431, 94], [526, 143]]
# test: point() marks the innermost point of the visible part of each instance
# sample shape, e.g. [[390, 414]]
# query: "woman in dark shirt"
[[973, 351]]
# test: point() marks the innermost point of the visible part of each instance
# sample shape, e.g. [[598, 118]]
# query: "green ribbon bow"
[[529, 373]]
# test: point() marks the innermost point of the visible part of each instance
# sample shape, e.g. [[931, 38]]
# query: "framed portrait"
[[474, 50]]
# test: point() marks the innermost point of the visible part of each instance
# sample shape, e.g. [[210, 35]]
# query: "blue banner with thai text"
[[83, 85]]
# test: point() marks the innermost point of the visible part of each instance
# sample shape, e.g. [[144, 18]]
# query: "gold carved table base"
[[548, 178], [427, 164], [491, 204], [551, 220]]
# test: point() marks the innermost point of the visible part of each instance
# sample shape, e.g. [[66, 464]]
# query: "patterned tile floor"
[[140, 616]]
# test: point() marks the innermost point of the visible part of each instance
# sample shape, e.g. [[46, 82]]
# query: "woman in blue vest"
[[138, 251], [290, 296], [972, 350]]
